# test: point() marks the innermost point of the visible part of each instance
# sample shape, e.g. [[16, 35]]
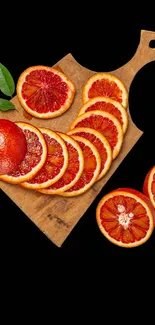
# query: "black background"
[[100, 44]]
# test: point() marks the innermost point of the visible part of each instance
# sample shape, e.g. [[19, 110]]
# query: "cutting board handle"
[[143, 55]]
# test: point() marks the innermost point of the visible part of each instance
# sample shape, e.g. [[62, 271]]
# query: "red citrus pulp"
[[45, 92], [55, 164], [149, 185], [126, 217]]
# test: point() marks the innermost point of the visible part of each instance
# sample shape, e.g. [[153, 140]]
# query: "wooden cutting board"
[[54, 215]]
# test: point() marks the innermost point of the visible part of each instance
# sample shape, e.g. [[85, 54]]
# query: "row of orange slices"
[[57, 163]]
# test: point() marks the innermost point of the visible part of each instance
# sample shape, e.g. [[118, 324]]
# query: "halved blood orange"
[[107, 85], [45, 92], [13, 146], [149, 185], [101, 144], [125, 217], [107, 105], [92, 165], [105, 123], [74, 168], [55, 164], [34, 158]]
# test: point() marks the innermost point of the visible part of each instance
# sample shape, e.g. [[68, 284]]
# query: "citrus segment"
[[74, 168], [125, 217], [107, 105], [13, 146], [101, 144], [105, 123], [55, 164], [34, 158], [45, 92], [92, 165], [107, 85], [149, 185]]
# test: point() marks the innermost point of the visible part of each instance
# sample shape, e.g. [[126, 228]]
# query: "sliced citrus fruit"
[[105, 123], [55, 164], [105, 84], [92, 165], [74, 168], [149, 185], [107, 105], [13, 146], [45, 92], [101, 144], [34, 158], [125, 217]]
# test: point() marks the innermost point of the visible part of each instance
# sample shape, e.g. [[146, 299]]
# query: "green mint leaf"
[[6, 105], [7, 85]]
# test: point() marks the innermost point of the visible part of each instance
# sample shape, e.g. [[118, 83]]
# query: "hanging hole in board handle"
[[152, 44]]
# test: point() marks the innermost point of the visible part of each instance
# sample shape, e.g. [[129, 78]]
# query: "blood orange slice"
[[107, 85], [105, 123], [92, 165], [74, 169], [149, 185], [101, 144], [107, 105], [13, 146], [34, 158], [45, 92], [125, 217], [55, 165]]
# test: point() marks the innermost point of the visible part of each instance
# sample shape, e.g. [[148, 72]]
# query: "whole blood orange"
[[45, 92], [126, 217], [13, 146]]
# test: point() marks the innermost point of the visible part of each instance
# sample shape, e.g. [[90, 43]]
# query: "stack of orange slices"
[[69, 164]]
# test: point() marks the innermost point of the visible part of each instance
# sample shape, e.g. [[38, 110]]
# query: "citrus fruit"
[[105, 123], [45, 92], [34, 158], [92, 165], [105, 84], [149, 185], [125, 217], [101, 144], [55, 164], [74, 168], [13, 146], [107, 105]]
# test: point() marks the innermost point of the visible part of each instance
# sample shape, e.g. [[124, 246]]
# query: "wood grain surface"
[[54, 215]]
